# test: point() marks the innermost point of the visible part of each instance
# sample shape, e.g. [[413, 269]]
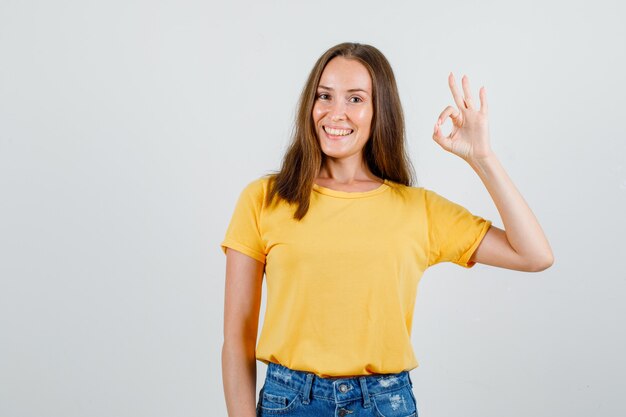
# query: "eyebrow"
[[352, 90]]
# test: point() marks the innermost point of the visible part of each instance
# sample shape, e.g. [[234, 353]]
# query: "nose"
[[337, 111]]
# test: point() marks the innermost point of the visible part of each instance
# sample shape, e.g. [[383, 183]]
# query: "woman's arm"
[[522, 245], [242, 302]]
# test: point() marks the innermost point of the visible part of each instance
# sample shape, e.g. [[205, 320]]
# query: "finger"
[[444, 141], [467, 92], [484, 108], [455, 92], [438, 136], [448, 111]]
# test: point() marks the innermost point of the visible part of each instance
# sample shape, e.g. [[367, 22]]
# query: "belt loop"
[[307, 388], [366, 395], [409, 374]]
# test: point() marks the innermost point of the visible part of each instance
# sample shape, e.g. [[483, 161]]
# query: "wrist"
[[484, 162]]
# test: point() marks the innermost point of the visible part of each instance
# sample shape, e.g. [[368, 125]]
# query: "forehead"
[[344, 74]]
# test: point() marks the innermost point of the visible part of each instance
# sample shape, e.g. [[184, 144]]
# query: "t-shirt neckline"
[[351, 194]]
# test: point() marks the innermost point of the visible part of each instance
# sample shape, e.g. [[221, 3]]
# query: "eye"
[[322, 96], [358, 99]]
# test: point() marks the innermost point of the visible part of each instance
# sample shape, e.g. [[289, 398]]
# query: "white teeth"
[[337, 132]]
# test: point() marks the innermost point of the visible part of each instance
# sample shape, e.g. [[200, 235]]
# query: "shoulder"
[[425, 197], [256, 191], [258, 186], [410, 191]]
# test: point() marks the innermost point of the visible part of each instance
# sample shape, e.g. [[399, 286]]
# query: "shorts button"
[[343, 388], [343, 412]]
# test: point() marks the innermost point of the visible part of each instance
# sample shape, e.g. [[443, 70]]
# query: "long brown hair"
[[384, 151]]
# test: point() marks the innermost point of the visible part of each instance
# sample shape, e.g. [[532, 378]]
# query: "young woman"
[[344, 238]]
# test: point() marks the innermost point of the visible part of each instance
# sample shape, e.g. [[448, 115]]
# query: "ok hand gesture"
[[469, 138]]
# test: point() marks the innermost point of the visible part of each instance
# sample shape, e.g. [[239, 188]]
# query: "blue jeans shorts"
[[287, 392]]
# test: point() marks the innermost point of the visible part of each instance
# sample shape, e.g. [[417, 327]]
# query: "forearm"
[[523, 231], [239, 378]]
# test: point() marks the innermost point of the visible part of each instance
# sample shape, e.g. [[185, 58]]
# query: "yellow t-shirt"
[[342, 282]]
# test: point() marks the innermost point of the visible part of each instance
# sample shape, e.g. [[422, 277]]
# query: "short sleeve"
[[454, 233], [244, 232]]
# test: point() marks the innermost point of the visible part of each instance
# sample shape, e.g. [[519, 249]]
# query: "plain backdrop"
[[129, 128]]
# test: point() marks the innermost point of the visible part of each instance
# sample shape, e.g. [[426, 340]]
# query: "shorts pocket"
[[396, 403], [275, 399]]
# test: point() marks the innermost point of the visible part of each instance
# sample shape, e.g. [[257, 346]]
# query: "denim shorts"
[[288, 392]]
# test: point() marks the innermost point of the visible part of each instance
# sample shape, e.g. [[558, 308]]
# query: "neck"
[[346, 171]]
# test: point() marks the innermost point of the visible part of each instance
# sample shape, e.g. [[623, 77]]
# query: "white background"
[[128, 129]]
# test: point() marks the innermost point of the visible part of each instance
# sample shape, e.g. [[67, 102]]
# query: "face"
[[343, 108]]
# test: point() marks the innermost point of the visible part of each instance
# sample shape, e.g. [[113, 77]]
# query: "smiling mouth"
[[337, 133]]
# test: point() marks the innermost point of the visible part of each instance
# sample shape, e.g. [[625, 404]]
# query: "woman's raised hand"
[[469, 138]]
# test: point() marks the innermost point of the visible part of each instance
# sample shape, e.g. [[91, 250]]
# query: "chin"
[[335, 154]]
